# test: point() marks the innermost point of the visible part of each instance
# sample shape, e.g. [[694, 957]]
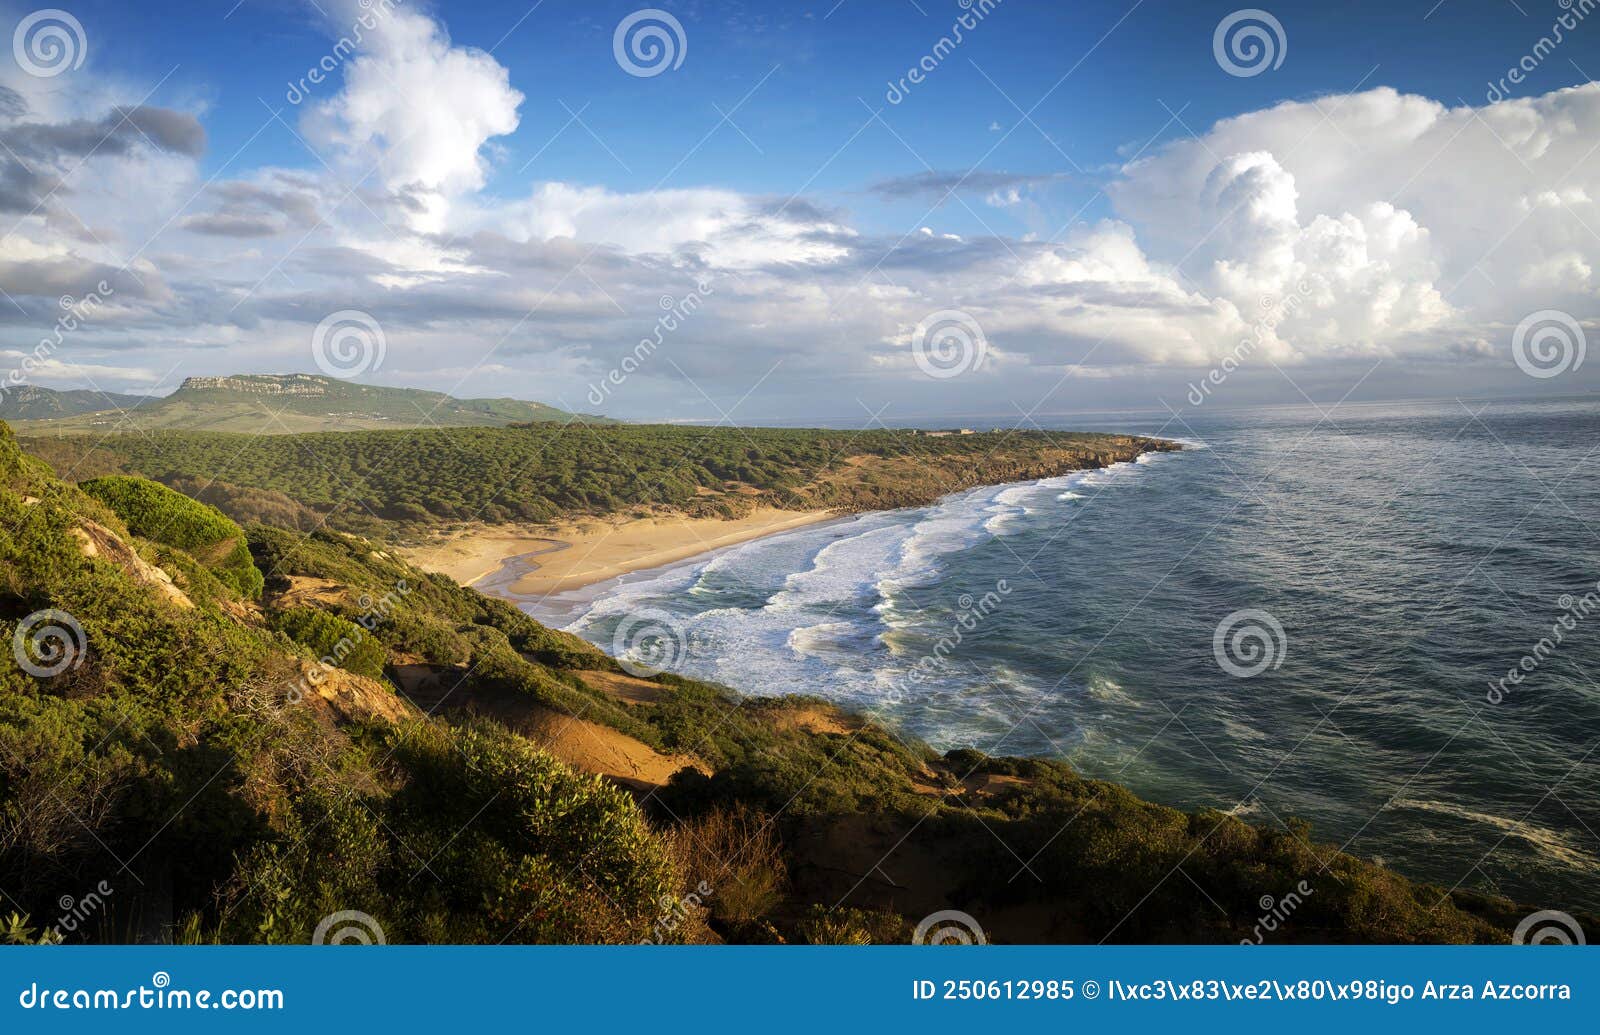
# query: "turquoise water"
[[1411, 554]]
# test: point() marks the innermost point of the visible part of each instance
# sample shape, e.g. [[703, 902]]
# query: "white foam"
[[842, 571], [845, 609], [814, 640]]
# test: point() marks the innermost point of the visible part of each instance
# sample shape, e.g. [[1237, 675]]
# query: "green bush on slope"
[[153, 511], [171, 745], [482, 838], [333, 640]]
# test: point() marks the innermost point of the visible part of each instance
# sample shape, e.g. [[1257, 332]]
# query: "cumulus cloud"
[[418, 109], [1325, 230], [1408, 222]]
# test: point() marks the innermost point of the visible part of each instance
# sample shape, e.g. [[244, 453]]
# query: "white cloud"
[[1399, 225], [721, 227], [1410, 221], [418, 109]]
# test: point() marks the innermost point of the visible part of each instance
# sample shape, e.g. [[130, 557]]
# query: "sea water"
[[1412, 556]]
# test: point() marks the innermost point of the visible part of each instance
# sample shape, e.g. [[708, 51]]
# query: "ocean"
[[1376, 619]]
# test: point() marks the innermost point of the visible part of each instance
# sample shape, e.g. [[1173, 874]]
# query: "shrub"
[[153, 511], [333, 639], [736, 853], [847, 926], [523, 848]]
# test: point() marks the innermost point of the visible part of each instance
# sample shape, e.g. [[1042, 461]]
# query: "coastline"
[[536, 560], [523, 562]]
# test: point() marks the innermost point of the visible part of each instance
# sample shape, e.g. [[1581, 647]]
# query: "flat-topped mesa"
[[261, 384]]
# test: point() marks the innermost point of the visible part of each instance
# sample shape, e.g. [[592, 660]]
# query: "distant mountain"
[[29, 402], [284, 403]]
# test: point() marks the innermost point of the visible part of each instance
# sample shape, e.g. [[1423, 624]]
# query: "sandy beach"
[[555, 558]]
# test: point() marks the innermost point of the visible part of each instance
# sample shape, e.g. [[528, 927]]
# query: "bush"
[[736, 853], [153, 511], [331, 638], [846, 926], [524, 848]]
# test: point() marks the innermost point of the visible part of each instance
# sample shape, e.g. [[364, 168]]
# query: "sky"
[[734, 211]]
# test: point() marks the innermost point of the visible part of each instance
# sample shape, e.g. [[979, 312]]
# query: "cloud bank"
[[1341, 229]]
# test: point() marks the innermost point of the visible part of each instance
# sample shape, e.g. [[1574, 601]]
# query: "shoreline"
[[514, 562], [504, 561]]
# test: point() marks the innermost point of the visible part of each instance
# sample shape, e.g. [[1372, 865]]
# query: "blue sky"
[[820, 62], [513, 209]]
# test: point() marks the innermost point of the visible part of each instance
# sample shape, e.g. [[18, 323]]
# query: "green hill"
[[257, 404], [367, 737], [32, 403]]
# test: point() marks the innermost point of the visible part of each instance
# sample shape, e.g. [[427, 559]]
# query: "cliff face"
[[260, 384]]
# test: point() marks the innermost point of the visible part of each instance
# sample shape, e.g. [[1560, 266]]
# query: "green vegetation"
[[485, 839], [30, 402], [175, 753], [267, 404], [170, 755], [545, 472], [155, 512], [338, 640]]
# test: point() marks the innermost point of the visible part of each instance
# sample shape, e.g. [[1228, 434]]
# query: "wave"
[[841, 571], [1007, 509], [1549, 843], [818, 639], [849, 609]]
